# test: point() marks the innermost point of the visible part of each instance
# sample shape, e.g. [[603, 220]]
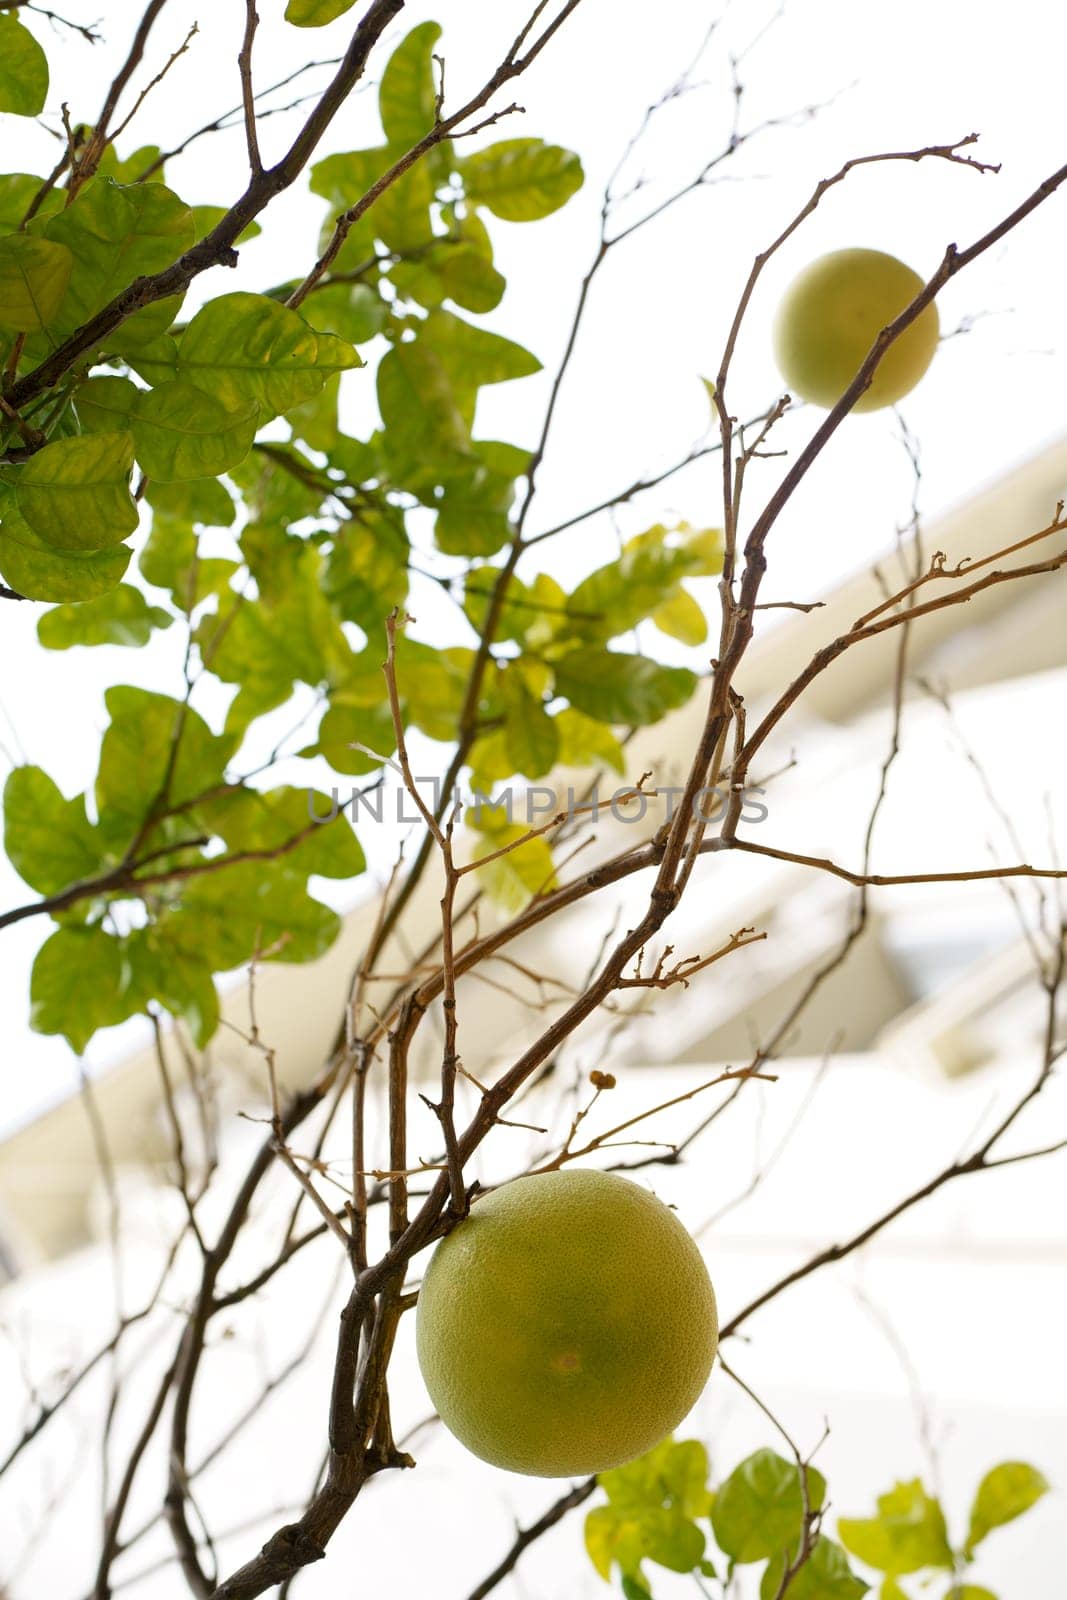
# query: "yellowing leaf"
[[521, 180], [34, 274], [244, 347], [315, 13], [39, 572], [122, 616], [181, 431], [406, 96], [23, 69], [682, 618], [907, 1534], [75, 495], [48, 839], [1004, 1494], [76, 985], [523, 871]]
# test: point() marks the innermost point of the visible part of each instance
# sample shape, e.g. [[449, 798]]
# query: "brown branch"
[[217, 246], [248, 94], [127, 879], [601, 1139], [978, 1161], [829, 653], [881, 879], [222, 122], [89, 158], [160, 75], [811, 1517], [88, 31], [527, 1536]]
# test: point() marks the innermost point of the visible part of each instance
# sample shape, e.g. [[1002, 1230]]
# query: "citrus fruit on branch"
[[830, 317], [567, 1325]]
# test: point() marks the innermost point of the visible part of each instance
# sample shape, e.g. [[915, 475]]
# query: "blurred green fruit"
[[832, 314]]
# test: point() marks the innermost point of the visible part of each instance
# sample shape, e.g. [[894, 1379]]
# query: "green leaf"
[[473, 356], [18, 190], [123, 616], [1003, 1494], [345, 177], [400, 215], [531, 613], [284, 637], [682, 618], [826, 1575], [34, 274], [452, 270], [584, 742], [406, 97], [513, 879], [425, 425], [128, 169], [633, 1589], [759, 1510], [37, 571], [254, 906], [342, 179], [472, 517], [159, 967], [282, 487], [76, 985], [600, 1525], [242, 347], [23, 69], [316, 421], [907, 1535], [470, 279], [647, 574], [155, 360], [489, 761], [641, 1483], [116, 233], [104, 405], [353, 311], [651, 1505], [250, 819], [969, 1591], [516, 612], [181, 431], [521, 180], [198, 500], [685, 1476], [531, 734], [367, 571], [138, 761], [170, 560], [433, 686], [342, 728], [315, 13], [75, 493], [616, 688], [49, 840]]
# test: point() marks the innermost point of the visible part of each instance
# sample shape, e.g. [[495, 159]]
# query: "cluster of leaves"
[[215, 449], [909, 1533], [661, 1508]]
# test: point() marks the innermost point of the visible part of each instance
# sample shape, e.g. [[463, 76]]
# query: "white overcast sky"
[[896, 77]]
